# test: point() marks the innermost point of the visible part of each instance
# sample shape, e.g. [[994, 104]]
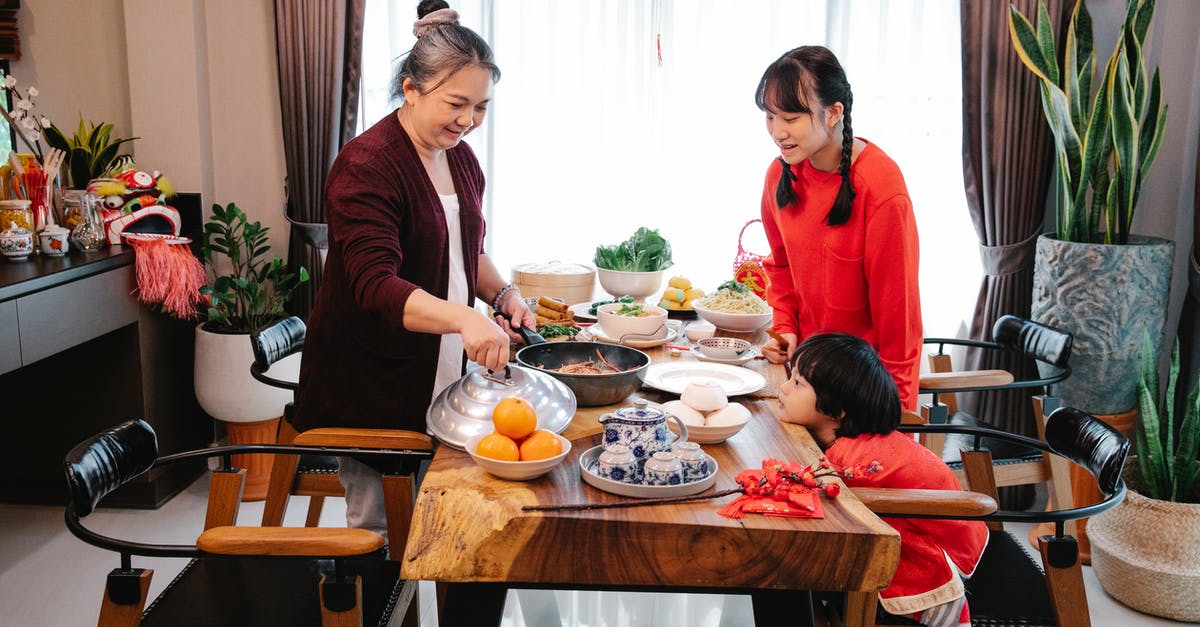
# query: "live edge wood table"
[[469, 527]]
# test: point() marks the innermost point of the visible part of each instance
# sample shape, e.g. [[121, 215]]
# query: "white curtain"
[[589, 137]]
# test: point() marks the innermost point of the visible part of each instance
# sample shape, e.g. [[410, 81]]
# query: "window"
[[590, 137]]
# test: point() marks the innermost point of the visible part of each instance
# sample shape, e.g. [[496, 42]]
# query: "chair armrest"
[[289, 541], [965, 379], [365, 438], [900, 501]]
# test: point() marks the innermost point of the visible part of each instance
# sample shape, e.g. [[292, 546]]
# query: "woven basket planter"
[[1146, 554]]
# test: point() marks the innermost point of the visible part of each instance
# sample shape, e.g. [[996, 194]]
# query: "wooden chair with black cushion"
[[248, 575], [1016, 464], [1008, 586], [314, 476]]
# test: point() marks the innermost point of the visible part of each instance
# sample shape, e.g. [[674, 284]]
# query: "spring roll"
[[552, 304]]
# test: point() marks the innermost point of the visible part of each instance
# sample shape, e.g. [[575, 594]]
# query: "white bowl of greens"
[[646, 322], [634, 267]]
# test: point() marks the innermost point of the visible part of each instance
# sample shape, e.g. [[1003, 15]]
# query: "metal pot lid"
[[464, 408]]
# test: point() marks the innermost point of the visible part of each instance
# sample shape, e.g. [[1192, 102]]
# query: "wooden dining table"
[[468, 526]]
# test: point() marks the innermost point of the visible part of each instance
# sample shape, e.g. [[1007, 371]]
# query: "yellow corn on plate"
[[692, 294]]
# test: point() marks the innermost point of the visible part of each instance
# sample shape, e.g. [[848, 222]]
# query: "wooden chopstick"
[[783, 344], [638, 503]]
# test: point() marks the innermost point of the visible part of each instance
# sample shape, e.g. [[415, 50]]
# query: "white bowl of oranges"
[[517, 450]]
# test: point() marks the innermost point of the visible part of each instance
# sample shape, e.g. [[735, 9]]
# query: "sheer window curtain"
[[589, 137]]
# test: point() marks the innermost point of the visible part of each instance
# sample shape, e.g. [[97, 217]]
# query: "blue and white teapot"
[[642, 428]]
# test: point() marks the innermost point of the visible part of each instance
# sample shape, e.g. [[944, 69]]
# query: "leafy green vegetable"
[[555, 330], [596, 305], [733, 286], [644, 251]]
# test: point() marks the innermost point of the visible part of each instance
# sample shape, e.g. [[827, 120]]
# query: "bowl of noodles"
[[733, 307]]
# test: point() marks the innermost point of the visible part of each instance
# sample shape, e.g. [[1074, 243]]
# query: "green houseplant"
[[1146, 551], [89, 152], [1094, 277], [248, 290], [255, 289], [1104, 145]]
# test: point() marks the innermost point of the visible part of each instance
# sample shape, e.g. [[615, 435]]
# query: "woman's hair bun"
[[425, 7], [433, 13]]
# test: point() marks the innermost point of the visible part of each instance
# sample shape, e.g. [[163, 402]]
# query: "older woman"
[[393, 316]]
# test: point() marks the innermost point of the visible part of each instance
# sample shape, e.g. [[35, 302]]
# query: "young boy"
[[843, 395]]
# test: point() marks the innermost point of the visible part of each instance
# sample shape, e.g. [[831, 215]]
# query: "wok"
[[591, 390]]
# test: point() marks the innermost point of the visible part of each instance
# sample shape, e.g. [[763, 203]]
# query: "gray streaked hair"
[[441, 50]]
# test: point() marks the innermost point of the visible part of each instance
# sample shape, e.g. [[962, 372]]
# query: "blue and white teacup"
[[663, 469], [617, 463], [694, 461], [642, 428]]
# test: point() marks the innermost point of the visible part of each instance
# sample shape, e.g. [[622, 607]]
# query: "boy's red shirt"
[[931, 551]]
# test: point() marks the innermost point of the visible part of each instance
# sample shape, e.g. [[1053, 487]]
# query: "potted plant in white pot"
[[248, 291], [1146, 551], [1093, 277]]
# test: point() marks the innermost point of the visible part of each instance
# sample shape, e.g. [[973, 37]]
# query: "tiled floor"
[[49, 578]]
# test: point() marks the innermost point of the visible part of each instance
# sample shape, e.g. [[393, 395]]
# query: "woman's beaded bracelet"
[[502, 293]]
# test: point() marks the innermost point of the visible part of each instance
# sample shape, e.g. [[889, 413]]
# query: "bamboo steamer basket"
[[572, 282]]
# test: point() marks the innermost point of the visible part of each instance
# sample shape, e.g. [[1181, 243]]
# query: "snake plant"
[[1104, 144], [1169, 470]]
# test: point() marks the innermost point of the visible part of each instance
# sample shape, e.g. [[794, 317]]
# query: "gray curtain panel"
[[1007, 169], [319, 44]]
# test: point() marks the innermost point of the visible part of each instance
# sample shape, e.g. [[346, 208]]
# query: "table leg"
[[472, 605], [860, 608], [782, 607]]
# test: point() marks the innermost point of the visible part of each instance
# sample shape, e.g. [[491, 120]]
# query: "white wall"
[[196, 80]]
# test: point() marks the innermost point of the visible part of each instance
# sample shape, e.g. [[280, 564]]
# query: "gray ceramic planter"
[[1107, 296]]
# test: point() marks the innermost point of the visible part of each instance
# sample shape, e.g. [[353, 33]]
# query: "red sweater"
[[387, 238], [924, 577], [859, 277]]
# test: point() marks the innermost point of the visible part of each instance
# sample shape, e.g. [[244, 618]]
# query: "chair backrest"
[[274, 342], [1090, 443], [1034, 339], [105, 461], [314, 234]]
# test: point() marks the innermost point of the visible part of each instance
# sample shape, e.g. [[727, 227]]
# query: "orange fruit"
[[514, 417], [540, 444], [496, 446]]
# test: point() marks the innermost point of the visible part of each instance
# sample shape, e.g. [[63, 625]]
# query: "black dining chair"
[[240, 575], [1009, 587]]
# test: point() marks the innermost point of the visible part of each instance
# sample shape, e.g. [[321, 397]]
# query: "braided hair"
[[812, 70]]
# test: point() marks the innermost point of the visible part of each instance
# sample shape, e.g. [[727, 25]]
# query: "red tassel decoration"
[[168, 274]]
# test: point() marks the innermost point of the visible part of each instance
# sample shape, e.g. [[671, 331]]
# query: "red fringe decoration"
[[168, 275]]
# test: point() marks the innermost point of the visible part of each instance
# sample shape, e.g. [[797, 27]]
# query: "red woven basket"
[[747, 266]]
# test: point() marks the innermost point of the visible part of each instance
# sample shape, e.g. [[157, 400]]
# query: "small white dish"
[[597, 332], [581, 312], [700, 330], [746, 357], [710, 435], [516, 471]]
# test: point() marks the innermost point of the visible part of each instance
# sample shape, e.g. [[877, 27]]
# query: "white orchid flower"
[[17, 114], [33, 92], [29, 123], [46, 123], [23, 104], [10, 81]]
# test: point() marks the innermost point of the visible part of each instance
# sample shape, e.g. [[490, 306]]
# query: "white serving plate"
[[597, 332], [673, 377], [581, 312], [703, 434], [590, 458], [744, 359]]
